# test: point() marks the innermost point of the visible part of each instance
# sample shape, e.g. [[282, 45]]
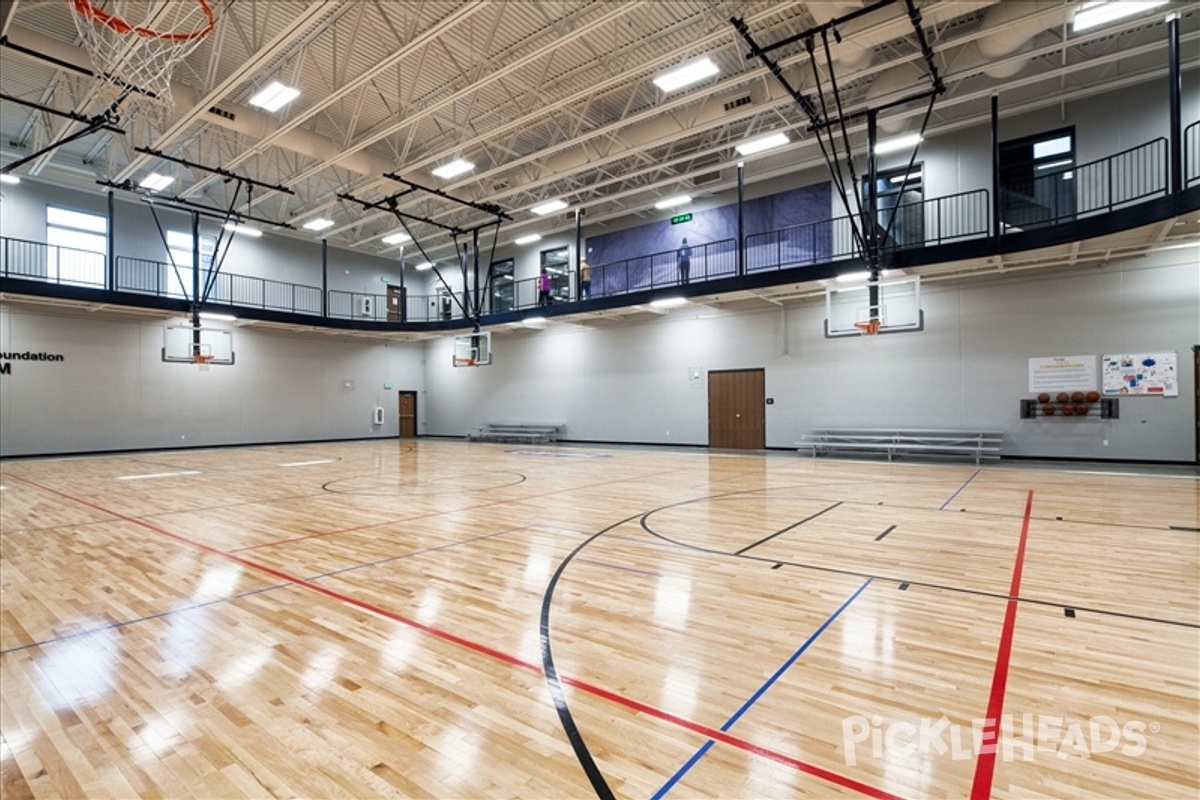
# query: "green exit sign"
[[681, 218]]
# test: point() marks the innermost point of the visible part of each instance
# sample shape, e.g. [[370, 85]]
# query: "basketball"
[[1077, 397], [1043, 398], [1048, 409], [1063, 397], [1093, 396], [1068, 410], [1081, 409]]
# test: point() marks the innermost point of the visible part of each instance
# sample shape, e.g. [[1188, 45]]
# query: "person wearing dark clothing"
[[685, 261]]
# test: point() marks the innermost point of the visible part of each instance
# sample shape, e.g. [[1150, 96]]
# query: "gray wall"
[[112, 391], [634, 382]]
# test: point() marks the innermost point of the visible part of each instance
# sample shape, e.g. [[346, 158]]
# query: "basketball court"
[[448, 619]]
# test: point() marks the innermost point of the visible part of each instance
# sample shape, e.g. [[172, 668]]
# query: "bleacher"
[[895, 442], [513, 433]]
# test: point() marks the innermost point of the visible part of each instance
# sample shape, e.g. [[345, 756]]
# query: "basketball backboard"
[[472, 349], [894, 302]]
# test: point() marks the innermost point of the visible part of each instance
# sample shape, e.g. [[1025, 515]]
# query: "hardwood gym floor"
[[453, 620]]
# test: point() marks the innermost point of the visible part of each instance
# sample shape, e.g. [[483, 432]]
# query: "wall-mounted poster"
[[1062, 374], [1141, 373]]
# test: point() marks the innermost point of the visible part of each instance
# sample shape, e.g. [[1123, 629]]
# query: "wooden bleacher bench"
[[516, 433], [903, 441]]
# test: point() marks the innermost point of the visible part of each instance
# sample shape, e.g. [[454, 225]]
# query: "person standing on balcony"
[[685, 260], [585, 279], [544, 288]]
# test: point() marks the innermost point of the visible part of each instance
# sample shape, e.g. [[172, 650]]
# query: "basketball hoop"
[[202, 360], [136, 44], [868, 327]]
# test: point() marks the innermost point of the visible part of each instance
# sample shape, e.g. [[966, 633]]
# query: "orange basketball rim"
[[116, 23]]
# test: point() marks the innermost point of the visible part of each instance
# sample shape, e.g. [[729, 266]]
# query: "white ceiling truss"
[[549, 99]]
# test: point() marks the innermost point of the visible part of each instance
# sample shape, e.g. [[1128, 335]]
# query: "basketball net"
[[136, 44]]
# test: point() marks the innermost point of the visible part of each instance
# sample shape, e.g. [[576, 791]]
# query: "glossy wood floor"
[[450, 620]]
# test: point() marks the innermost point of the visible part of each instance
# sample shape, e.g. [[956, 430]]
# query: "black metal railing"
[[1096, 187], [38, 261], [708, 261], [1191, 154]]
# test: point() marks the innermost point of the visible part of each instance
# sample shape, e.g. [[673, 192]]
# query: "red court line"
[[439, 513], [985, 765], [482, 649]]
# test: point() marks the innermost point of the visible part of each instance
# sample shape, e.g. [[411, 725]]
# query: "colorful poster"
[[1062, 374], [1142, 373]]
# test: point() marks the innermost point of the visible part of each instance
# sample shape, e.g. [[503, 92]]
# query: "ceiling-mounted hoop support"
[[863, 221]]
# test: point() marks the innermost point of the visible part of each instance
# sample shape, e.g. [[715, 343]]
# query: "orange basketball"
[[1048, 409], [1068, 410], [1063, 397], [1077, 397], [1043, 398], [1093, 396], [1081, 409]]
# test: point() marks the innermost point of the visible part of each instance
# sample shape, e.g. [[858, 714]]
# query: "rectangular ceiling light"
[[897, 144], [12, 180], [155, 182], [762, 143], [274, 97], [527, 239], [668, 302], [549, 208], [395, 238], [455, 168], [217, 317], [686, 75], [1096, 14], [318, 224], [671, 202], [247, 230], [424, 265]]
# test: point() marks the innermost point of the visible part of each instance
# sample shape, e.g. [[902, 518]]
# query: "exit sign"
[[681, 218]]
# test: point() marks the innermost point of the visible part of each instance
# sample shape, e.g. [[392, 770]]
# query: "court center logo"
[[1015, 738]]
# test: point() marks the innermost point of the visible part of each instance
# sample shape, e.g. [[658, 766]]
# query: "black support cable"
[[908, 170], [224, 173]]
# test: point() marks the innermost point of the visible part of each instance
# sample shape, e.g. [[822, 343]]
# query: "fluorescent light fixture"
[[395, 238], [233, 227], [155, 182], [671, 202], [12, 180], [318, 224], [217, 317], [1096, 14], [424, 266], [687, 74], [274, 97], [854, 277], [529, 238], [453, 169], [668, 302], [549, 208], [762, 143], [910, 178], [899, 143], [534, 322]]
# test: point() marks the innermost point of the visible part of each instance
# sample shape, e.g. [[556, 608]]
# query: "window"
[[902, 210], [557, 263], [503, 287], [179, 276], [1037, 179], [77, 246]]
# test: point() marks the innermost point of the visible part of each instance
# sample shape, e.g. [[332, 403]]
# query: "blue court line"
[[942, 507], [691, 762]]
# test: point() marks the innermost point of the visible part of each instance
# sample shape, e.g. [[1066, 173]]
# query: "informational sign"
[[1141, 374], [679, 219], [1062, 373]]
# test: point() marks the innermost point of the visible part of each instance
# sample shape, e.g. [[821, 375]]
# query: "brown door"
[[408, 415], [737, 409], [396, 295], [1196, 405]]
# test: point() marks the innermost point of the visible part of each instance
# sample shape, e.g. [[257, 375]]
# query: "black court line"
[[618, 566], [766, 539], [890, 528], [892, 579]]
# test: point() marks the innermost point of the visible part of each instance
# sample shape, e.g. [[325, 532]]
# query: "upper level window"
[[179, 243], [1036, 174], [77, 246], [899, 193]]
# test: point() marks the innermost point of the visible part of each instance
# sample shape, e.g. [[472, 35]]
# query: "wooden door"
[[408, 415], [397, 297], [737, 409]]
